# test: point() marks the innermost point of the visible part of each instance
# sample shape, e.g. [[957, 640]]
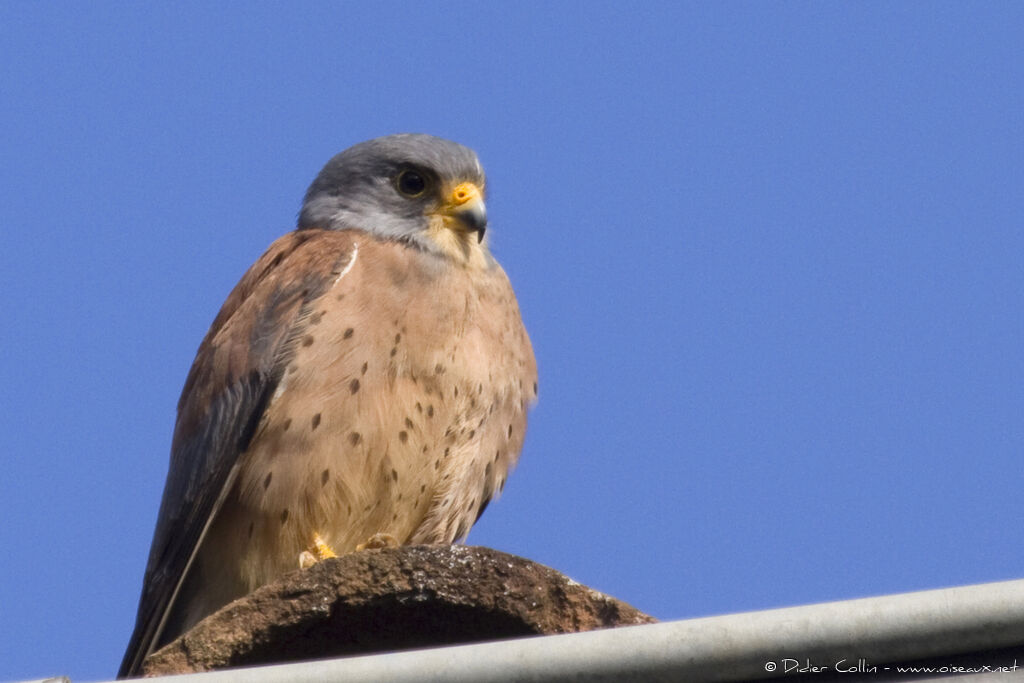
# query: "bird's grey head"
[[415, 188]]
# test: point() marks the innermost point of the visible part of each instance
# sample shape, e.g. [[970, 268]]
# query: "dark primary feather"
[[236, 371]]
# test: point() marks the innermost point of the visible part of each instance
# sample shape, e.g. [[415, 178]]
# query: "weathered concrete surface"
[[392, 599]]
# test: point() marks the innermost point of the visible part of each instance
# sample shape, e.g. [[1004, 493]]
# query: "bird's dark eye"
[[411, 183]]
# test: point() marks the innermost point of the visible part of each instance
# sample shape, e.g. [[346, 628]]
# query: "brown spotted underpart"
[[400, 415]]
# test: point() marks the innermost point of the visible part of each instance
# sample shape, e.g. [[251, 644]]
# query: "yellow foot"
[[379, 541], [319, 551]]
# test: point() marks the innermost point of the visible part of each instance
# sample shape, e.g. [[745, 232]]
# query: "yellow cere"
[[465, 192]]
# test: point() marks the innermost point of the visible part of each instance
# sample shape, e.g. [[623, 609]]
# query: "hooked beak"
[[466, 206]]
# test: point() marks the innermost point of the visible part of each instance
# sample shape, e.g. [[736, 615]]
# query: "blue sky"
[[770, 257]]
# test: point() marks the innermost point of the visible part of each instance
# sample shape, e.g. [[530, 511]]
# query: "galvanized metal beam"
[[851, 636]]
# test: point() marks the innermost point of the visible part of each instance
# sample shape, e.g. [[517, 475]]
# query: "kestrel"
[[366, 382]]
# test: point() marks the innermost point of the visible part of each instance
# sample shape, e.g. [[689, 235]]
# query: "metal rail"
[[849, 636]]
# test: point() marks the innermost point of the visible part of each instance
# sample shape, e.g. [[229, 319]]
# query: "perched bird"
[[365, 383]]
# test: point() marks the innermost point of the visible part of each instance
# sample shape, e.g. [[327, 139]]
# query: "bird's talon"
[[318, 550], [306, 559], [378, 541]]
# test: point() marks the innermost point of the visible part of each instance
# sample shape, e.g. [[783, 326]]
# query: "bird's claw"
[[378, 541], [319, 550]]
